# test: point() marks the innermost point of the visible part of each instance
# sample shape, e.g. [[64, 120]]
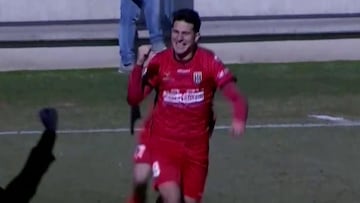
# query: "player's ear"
[[197, 36]]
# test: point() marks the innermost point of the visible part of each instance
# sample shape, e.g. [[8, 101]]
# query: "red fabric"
[[142, 152], [184, 102], [238, 102], [135, 91], [185, 94], [184, 165], [141, 82]]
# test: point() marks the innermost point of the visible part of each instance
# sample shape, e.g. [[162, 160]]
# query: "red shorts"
[[142, 149], [185, 164]]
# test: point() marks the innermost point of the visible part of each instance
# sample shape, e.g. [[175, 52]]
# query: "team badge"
[[197, 77]]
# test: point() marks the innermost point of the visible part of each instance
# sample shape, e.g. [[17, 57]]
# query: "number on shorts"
[[156, 169], [140, 149]]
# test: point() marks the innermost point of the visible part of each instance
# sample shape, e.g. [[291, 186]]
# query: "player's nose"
[[179, 37]]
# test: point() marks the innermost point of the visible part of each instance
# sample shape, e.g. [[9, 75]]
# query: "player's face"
[[183, 38]]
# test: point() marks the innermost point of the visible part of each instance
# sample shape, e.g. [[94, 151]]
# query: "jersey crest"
[[197, 77]]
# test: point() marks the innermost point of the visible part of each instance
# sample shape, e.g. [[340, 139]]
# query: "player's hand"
[[148, 59], [143, 54], [49, 118], [237, 128]]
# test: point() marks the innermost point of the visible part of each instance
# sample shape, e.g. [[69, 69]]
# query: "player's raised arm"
[[226, 82], [136, 90]]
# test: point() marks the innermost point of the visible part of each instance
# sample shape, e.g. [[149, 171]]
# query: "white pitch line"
[[328, 118], [220, 127]]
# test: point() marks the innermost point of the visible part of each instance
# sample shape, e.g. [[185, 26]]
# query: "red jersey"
[[185, 92]]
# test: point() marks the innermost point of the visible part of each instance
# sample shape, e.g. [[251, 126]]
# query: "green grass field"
[[280, 165]]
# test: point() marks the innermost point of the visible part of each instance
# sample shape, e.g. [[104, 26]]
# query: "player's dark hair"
[[188, 15]]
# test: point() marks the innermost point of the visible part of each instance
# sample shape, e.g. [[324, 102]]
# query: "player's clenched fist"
[[143, 54]]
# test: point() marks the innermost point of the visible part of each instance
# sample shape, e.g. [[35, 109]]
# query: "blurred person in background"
[[130, 14]]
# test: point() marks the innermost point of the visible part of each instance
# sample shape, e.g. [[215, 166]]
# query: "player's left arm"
[[239, 106], [226, 82]]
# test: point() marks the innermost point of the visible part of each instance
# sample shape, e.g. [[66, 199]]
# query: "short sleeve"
[[220, 73]]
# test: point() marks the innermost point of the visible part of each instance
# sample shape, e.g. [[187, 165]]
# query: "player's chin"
[[181, 50]]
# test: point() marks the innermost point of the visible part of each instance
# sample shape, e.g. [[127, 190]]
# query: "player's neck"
[[183, 58]]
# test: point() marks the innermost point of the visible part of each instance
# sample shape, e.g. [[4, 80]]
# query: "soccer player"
[[185, 78]]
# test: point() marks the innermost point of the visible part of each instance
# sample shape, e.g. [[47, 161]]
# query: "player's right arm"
[[136, 92], [139, 84]]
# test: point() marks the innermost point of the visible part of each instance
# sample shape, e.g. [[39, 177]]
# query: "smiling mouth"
[[180, 44]]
